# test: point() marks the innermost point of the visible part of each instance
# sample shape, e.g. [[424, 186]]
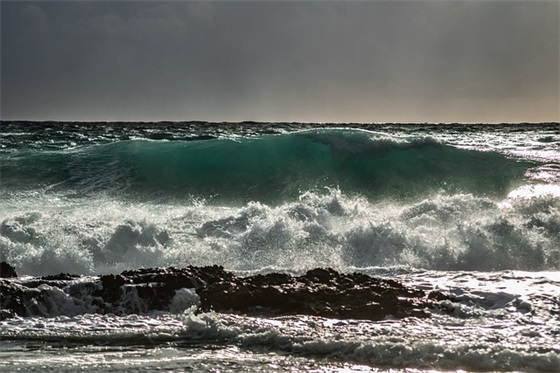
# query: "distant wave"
[[270, 168]]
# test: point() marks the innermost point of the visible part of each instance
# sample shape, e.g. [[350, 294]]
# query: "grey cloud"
[[309, 61]]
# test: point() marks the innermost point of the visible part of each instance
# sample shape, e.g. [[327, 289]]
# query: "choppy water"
[[473, 210]]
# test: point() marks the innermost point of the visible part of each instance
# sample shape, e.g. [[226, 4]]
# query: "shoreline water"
[[493, 321]]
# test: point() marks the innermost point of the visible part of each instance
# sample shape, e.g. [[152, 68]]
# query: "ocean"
[[469, 210]]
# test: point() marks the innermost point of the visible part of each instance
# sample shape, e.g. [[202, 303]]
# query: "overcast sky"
[[335, 61]]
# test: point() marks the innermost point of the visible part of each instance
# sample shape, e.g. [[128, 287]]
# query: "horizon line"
[[266, 122]]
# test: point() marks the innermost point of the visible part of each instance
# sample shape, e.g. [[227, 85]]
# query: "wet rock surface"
[[319, 292]]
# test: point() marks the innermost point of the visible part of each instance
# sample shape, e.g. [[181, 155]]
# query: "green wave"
[[269, 168]]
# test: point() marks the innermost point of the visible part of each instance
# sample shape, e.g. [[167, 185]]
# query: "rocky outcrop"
[[320, 292], [7, 271]]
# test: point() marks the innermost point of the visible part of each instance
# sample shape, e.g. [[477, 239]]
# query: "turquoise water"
[[265, 168]]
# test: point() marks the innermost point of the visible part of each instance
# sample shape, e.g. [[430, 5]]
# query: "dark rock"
[[61, 277], [109, 292], [13, 298], [320, 292], [320, 275], [7, 271], [437, 295], [6, 314]]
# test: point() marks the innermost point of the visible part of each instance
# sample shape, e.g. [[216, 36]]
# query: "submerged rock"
[[319, 292]]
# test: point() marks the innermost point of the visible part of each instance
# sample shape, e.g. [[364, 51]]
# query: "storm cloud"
[[378, 61]]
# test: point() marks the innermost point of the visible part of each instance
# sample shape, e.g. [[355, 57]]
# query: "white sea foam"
[[185, 301], [463, 232], [392, 344]]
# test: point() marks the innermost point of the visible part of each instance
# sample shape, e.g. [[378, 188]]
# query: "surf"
[[460, 232]]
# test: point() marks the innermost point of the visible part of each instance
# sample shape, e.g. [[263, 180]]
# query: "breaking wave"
[[270, 169], [447, 232]]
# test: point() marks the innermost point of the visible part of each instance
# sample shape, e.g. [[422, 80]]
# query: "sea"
[[471, 210]]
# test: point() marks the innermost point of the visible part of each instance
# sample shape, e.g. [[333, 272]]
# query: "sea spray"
[[457, 232]]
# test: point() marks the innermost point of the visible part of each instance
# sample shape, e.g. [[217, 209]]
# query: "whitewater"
[[471, 210]]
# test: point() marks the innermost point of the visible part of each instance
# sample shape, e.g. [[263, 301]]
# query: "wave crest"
[[269, 169]]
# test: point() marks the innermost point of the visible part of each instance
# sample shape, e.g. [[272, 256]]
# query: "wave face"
[[268, 169]]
